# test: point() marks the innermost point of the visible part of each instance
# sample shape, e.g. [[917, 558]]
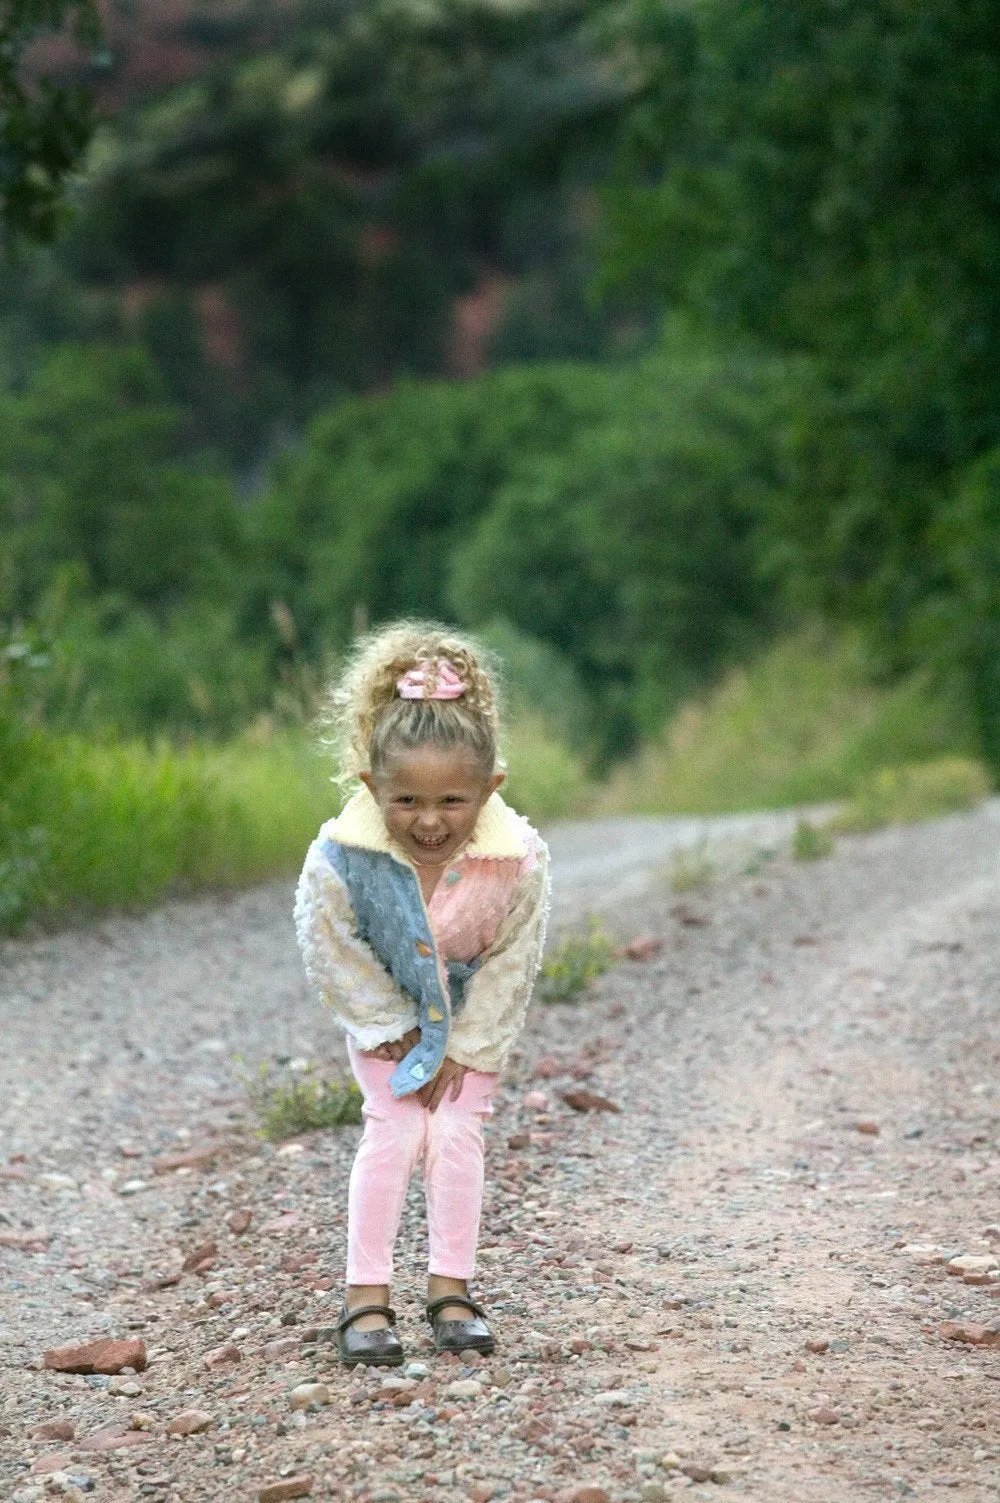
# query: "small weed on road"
[[811, 842], [290, 1103], [574, 963]]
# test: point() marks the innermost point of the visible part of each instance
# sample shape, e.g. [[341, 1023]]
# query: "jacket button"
[[423, 949]]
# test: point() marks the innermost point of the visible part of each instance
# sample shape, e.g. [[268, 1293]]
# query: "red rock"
[[519, 1140], [589, 1495], [104, 1356], [817, 1344], [535, 1101], [26, 1241], [324, 1284], [589, 1101], [163, 1281], [238, 1222], [532, 1431], [972, 1334], [547, 1068], [223, 1355], [189, 1422], [823, 1415], [189, 1158], [199, 1254], [113, 1438], [622, 1247], [295, 1262], [203, 1267], [481, 1492], [57, 1463], [685, 914], [580, 1344], [643, 947], [12, 1172], [57, 1429], [299, 1486], [282, 1223], [868, 1127], [698, 1471]]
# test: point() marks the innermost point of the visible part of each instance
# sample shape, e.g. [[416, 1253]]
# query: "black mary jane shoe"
[[460, 1335], [378, 1348]]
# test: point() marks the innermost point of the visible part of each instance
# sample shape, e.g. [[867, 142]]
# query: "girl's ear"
[[368, 781], [495, 781]]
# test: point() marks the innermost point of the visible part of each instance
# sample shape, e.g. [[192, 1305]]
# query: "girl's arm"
[[496, 997], [346, 972]]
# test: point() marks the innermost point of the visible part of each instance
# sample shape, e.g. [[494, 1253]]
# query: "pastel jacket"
[[460, 968]]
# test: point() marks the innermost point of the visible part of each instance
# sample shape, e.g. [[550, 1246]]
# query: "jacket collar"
[[497, 834]]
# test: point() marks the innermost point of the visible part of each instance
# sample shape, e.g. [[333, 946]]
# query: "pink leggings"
[[448, 1143]]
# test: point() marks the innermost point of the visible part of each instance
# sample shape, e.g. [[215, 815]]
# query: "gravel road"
[[737, 1284]]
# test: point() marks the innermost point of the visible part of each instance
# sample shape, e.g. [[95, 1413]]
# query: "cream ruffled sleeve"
[[345, 972], [497, 996]]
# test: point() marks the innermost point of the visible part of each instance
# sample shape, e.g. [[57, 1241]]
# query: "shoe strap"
[[436, 1306], [348, 1317]]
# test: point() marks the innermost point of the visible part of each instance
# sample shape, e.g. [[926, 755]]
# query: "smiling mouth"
[[430, 845]]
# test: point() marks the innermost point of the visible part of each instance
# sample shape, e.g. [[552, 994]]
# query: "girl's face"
[[430, 800]]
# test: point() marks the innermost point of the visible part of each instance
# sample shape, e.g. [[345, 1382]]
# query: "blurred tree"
[[363, 520], [822, 173], [325, 206], [90, 472], [44, 130], [960, 621], [612, 514], [635, 549]]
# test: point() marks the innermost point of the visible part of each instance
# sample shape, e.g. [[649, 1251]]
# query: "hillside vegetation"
[[653, 344]]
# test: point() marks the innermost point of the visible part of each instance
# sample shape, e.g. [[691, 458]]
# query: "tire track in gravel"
[[785, 1008]]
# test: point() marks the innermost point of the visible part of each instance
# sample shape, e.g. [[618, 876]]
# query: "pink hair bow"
[[436, 680]]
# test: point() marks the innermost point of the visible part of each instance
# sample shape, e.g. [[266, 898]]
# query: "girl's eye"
[[404, 798]]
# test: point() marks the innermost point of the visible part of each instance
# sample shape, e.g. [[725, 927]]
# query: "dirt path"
[[660, 1277]]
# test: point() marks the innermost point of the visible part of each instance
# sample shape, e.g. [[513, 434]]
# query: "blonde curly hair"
[[365, 718]]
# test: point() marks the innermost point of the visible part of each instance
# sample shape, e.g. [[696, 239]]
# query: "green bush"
[[691, 868], [811, 842], [903, 795], [546, 779], [289, 1103], [573, 964]]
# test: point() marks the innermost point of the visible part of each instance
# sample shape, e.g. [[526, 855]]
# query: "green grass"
[[93, 825], [288, 1104], [571, 966], [903, 795], [811, 842], [804, 724], [88, 825], [691, 868]]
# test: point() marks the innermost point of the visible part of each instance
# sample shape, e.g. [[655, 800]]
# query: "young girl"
[[421, 917]]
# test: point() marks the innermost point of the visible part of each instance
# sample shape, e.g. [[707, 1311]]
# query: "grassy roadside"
[[91, 825], [88, 825], [804, 724]]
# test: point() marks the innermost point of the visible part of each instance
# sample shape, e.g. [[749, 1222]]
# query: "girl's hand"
[[394, 1052], [450, 1076]]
